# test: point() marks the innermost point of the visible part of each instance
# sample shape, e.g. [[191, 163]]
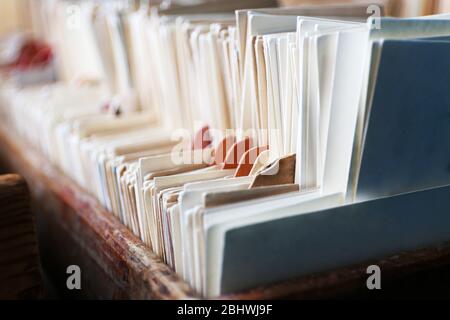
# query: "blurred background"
[[18, 14]]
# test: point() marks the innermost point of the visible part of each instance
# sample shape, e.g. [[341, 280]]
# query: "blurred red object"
[[33, 53]]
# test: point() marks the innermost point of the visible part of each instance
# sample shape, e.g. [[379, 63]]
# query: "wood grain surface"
[[20, 271]]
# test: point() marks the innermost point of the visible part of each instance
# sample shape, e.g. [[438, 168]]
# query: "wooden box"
[[75, 230]]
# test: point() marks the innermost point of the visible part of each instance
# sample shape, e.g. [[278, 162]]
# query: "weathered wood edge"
[[132, 267]]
